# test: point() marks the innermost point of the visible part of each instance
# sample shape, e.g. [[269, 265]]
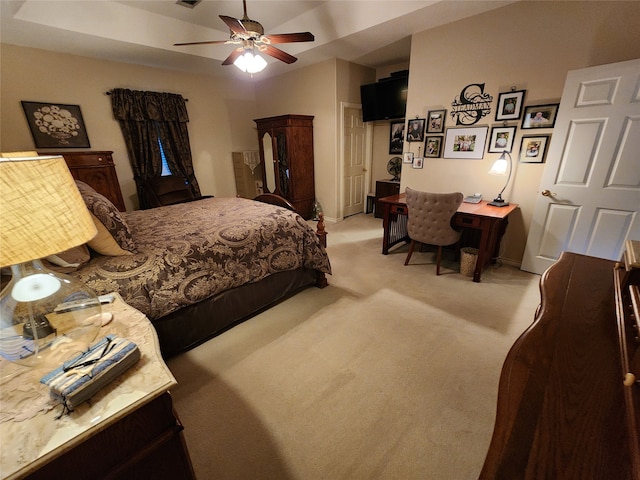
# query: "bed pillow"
[[104, 243], [107, 214], [69, 260]]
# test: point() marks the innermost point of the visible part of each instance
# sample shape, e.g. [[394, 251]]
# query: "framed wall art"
[[56, 125], [510, 105], [415, 130], [533, 149], [540, 116], [465, 143], [433, 146], [396, 137], [418, 162], [435, 121], [407, 157], [501, 139]]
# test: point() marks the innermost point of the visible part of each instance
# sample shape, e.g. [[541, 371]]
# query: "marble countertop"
[[32, 431]]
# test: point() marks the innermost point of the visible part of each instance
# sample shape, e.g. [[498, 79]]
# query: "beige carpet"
[[389, 373]]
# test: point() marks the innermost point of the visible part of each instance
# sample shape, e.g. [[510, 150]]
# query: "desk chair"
[[429, 220]]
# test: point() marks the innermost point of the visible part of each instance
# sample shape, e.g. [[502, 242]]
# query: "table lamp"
[[500, 167], [44, 315]]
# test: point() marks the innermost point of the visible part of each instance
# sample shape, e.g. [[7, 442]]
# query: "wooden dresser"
[[384, 188], [568, 400], [95, 168]]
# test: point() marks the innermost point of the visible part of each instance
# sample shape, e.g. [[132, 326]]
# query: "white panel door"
[[589, 194], [354, 170]]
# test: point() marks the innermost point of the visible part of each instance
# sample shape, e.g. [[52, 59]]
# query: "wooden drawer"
[[467, 221], [148, 438], [399, 209], [85, 159]]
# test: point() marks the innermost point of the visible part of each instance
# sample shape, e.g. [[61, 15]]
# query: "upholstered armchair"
[[429, 220]]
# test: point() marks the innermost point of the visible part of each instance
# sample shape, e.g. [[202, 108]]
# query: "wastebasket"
[[468, 258]]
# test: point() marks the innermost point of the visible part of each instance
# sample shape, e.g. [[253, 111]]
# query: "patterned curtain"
[[144, 117]]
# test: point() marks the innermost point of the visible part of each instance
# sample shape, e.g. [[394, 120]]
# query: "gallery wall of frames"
[[469, 128]]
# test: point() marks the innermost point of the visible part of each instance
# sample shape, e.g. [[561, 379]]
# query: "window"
[[165, 166]]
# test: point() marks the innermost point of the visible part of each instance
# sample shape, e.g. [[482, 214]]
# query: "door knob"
[[548, 193]]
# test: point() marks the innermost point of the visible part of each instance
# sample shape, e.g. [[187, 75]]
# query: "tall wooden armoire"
[[286, 151]]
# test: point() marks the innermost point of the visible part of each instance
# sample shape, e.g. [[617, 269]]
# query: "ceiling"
[[374, 33]]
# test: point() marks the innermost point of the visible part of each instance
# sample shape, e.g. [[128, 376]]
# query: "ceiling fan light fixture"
[[250, 62]]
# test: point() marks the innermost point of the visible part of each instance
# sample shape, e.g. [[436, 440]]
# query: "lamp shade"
[[41, 209], [500, 167]]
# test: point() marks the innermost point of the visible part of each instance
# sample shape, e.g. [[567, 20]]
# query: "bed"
[[198, 268]]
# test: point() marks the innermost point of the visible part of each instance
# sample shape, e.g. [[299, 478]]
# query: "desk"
[[490, 221], [127, 430]]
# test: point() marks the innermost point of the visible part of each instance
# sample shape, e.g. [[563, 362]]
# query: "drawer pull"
[[629, 379]]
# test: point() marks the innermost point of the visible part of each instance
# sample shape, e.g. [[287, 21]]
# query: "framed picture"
[[510, 105], [501, 139], [418, 162], [466, 143], [533, 149], [435, 121], [396, 137], [56, 125], [407, 157], [540, 116], [415, 130], [433, 147]]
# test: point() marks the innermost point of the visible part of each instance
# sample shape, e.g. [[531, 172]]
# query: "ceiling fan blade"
[[232, 58], [289, 37], [234, 24], [277, 53], [214, 42]]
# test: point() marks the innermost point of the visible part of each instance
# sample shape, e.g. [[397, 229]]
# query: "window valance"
[[141, 106]]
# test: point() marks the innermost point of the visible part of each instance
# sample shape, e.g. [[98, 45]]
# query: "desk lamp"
[[44, 315], [500, 168]]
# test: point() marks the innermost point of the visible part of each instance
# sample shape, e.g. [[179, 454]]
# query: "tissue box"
[[78, 379]]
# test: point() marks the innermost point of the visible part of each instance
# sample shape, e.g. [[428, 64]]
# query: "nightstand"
[[129, 429]]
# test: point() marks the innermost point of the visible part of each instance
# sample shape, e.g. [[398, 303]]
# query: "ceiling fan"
[[249, 34]]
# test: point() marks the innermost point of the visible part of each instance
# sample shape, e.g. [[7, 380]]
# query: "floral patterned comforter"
[[192, 251]]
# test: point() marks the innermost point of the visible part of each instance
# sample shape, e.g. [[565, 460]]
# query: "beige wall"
[[529, 45], [349, 78], [220, 111], [308, 91]]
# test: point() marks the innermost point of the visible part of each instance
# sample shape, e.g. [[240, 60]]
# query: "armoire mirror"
[[267, 148]]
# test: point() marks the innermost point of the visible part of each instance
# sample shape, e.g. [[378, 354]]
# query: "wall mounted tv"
[[386, 99]]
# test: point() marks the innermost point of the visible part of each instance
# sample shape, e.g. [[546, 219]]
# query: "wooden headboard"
[[97, 170]]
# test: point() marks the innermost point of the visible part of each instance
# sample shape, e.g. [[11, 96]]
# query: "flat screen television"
[[385, 99]]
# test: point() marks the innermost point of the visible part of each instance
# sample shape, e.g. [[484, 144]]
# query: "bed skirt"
[[190, 326]]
